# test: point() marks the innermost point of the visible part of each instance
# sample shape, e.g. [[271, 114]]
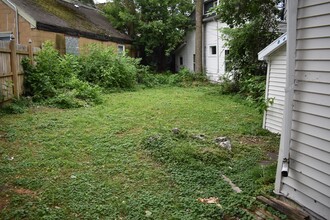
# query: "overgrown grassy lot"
[[121, 159]]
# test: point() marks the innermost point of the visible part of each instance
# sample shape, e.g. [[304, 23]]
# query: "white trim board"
[[263, 55]]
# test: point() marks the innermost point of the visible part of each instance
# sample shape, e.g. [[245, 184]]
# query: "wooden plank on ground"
[[290, 211]]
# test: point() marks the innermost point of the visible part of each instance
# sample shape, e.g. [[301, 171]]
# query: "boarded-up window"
[[71, 45]]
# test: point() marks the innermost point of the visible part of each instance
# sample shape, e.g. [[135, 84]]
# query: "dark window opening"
[[208, 6], [181, 60], [213, 50], [194, 62]]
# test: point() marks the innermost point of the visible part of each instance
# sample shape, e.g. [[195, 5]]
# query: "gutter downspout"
[[204, 47], [16, 19], [267, 90], [284, 152], [218, 49]]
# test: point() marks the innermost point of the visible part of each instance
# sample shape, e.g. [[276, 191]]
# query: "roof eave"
[[276, 44], [77, 33], [22, 13]]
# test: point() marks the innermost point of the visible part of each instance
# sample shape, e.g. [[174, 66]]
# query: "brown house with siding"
[[69, 24]]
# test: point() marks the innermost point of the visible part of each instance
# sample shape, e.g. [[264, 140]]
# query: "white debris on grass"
[[233, 186]]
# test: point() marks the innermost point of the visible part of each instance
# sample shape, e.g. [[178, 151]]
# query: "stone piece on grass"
[[226, 145], [10, 158], [211, 200], [148, 213], [223, 142], [233, 186], [220, 139], [201, 137], [176, 130]]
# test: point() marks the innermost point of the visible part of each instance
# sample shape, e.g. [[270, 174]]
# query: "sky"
[[100, 1]]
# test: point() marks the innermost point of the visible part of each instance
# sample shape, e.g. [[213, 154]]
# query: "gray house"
[[303, 171]]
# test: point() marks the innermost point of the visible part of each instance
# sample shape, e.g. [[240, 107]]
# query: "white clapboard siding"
[[305, 200], [309, 174], [275, 90], [214, 65]]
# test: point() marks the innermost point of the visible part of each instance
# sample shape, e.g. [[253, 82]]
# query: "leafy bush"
[[17, 106], [54, 80], [65, 100], [5, 87], [102, 66], [183, 78], [41, 80], [251, 89]]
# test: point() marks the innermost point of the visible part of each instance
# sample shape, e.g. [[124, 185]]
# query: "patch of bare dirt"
[[6, 191], [271, 157], [4, 198], [4, 202], [123, 133], [22, 191], [3, 136], [252, 140]]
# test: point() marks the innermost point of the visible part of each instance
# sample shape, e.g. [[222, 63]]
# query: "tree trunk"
[[161, 59], [199, 37]]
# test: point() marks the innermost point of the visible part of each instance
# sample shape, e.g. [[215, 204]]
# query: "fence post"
[[13, 63], [30, 51]]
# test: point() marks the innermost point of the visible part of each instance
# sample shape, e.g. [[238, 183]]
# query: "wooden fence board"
[[11, 70]]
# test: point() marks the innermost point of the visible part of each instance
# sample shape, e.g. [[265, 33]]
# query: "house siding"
[[186, 53], [7, 19], [309, 174], [276, 90], [214, 64]]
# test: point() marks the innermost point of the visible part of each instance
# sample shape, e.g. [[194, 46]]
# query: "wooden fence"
[[11, 70]]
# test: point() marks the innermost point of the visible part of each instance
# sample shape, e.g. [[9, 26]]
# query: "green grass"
[[121, 160]]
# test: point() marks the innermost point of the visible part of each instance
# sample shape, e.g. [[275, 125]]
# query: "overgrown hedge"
[[54, 80], [74, 81]]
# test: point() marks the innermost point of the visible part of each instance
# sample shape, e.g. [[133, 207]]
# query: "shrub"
[[41, 80], [253, 88], [250, 88], [54, 80], [66, 99], [102, 66], [17, 106], [183, 78], [83, 90]]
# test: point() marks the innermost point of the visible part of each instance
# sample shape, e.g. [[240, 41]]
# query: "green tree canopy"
[[253, 25], [157, 26]]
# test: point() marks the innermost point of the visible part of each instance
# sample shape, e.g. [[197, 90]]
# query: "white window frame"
[[122, 50]]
